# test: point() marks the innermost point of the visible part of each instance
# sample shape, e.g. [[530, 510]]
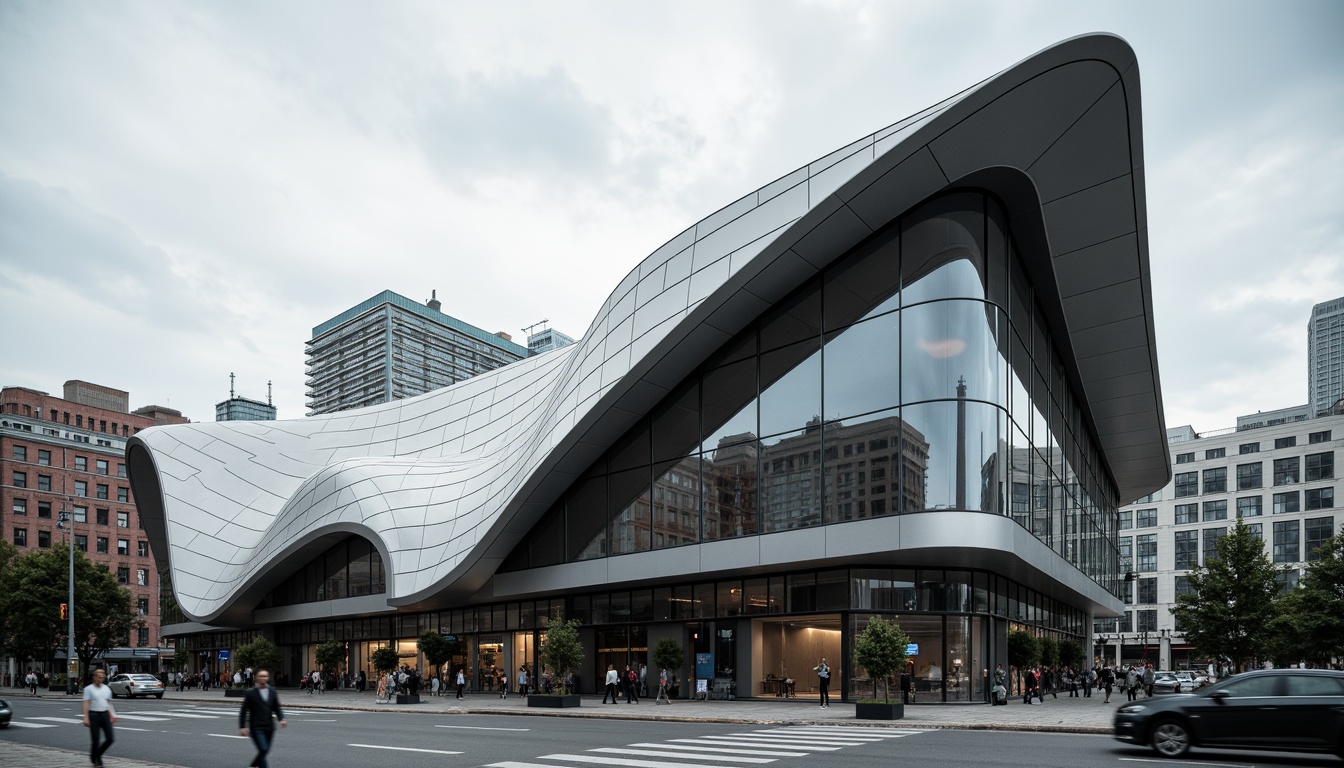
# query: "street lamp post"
[[71, 666]]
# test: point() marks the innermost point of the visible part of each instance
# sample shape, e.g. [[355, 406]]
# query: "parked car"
[[1166, 682], [1187, 681], [131, 686], [1291, 710], [5, 713]]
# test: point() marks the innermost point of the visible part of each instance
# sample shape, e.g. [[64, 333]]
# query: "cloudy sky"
[[186, 189]]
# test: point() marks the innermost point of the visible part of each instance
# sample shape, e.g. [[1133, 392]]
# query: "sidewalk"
[[1060, 715], [29, 756]]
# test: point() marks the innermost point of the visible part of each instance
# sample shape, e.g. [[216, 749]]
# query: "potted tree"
[[562, 654], [668, 654], [258, 654], [880, 648], [437, 649], [384, 660], [1024, 651], [329, 657]]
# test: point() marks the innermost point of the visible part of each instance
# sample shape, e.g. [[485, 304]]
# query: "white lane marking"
[[142, 718], [481, 728], [206, 710], [189, 715], [827, 732], [1168, 761], [406, 749], [682, 755], [725, 750], [224, 735], [725, 742], [74, 720], [314, 720], [842, 741], [594, 760], [515, 764], [22, 724], [129, 728]]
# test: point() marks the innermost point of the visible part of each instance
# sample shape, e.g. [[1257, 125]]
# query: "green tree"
[[330, 655], [1310, 622], [668, 654], [385, 659], [1024, 650], [259, 654], [32, 588], [436, 648], [1050, 652], [1071, 653], [562, 652], [1231, 605], [880, 649]]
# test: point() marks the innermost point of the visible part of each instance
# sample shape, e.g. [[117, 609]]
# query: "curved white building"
[[916, 377]]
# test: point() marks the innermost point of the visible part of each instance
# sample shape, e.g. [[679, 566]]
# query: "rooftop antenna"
[[528, 329], [433, 302], [230, 385], [268, 393]]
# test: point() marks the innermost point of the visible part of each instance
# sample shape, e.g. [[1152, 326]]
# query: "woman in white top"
[[99, 715]]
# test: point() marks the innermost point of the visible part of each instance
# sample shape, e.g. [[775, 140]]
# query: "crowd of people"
[[1077, 682]]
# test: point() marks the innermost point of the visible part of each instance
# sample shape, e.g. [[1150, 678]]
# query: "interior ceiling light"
[[943, 348]]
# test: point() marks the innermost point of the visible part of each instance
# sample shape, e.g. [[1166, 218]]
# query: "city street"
[[205, 735]]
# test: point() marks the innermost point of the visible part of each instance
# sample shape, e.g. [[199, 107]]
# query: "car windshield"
[[1260, 685]]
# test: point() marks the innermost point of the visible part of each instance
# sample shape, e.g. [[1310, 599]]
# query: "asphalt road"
[[206, 736]]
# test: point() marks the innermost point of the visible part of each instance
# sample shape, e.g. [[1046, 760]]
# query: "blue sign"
[[912, 649], [704, 665], [224, 655]]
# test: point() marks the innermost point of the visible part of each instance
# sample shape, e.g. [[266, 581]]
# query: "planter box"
[[879, 711], [235, 693], [408, 698], [552, 701]]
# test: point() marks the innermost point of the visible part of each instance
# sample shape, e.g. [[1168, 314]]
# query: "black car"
[[1291, 710], [5, 713]]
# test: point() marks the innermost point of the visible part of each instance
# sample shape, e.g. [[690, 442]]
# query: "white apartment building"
[[1280, 479]]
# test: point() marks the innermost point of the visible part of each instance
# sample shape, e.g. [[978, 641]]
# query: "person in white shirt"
[[99, 716], [613, 680]]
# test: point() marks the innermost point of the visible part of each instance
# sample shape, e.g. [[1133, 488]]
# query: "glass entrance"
[[790, 648]]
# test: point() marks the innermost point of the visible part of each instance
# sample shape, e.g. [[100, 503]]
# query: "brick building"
[[68, 453]]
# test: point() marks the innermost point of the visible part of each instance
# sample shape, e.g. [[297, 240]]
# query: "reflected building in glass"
[[914, 379]]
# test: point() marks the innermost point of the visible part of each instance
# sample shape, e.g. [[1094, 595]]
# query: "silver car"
[[131, 686]]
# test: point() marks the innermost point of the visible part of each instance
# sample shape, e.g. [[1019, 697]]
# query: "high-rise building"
[[390, 347], [238, 408], [1325, 355], [67, 455], [547, 340]]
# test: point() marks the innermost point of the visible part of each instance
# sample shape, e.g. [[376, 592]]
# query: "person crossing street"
[[99, 716], [256, 718]]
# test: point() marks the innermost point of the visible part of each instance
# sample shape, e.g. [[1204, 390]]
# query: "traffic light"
[[65, 611]]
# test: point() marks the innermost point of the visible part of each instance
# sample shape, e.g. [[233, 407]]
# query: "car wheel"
[[1170, 738], [158, 695]]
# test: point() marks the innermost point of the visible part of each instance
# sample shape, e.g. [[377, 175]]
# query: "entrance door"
[[790, 648]]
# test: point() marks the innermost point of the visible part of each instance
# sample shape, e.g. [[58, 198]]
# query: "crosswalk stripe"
[[142, 718], [189, 715], [516, 764], [817, 732], [852, 740], [226, 736], [871, 732], [22, 724], [724, 750], [129, 728], [405, 749], [208, 711], [681, 756], [762, 741], [628, 762], [74, 720], [730, 742]]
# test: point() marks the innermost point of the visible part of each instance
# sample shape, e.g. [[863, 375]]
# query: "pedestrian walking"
[[257, 716], [644, 680], [631, 685], [461, 682], [1107, 683], [1051, 684], [99, 716], [503, 684], [1132, 679], [522, 681], [823, 671], [1149, 677], [613, 680], [1089, 680], [662, 697]]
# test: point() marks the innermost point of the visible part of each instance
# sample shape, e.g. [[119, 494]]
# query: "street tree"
[[32, 589], [1050, 652], [259, 654], [385, 659], [1071, 653], [668, 654], [329, 656], [436, 648], [563, 652], [1309, 626], [1231, 603], [1024, 650], [880, 649]]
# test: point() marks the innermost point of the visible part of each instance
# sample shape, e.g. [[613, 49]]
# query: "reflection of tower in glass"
[[961, 443]]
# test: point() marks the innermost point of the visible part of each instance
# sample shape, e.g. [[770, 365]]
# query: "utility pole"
[[67, 521], [528, 329]]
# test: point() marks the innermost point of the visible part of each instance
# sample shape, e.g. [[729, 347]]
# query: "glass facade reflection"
[[916, 373]]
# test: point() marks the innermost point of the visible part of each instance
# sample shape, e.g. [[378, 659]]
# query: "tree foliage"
[[259, 654], [437, 649], [668, 654], [880, 649], [1024, 650], [1050, 652], [330, 655], [1071, 653], [562, 651], [385, 659], [32, 588], [1231, 605], [1309, 626]]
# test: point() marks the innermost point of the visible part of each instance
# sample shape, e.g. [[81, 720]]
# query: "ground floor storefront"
[[755, 637]]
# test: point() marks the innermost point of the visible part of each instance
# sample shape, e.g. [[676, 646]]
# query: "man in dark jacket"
[[255, 718]]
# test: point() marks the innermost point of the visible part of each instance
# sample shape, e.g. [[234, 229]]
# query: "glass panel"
[[961, 666], [936, 423], [676, 425], [676, 503], [942, 251], [925, 667], [681, 602], [547, 540], [586, 523], [949, 350], [833, 590], [662, 604], [795, 319], [632, 451], [864, 284], [864, 460], [791, 481], [958, 591], [730, 404], [757, 597], [996, 252], [862, 368], [629, 499], [730, 491], [802, 590], [703, 604], [729, 599], [790, 387]]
